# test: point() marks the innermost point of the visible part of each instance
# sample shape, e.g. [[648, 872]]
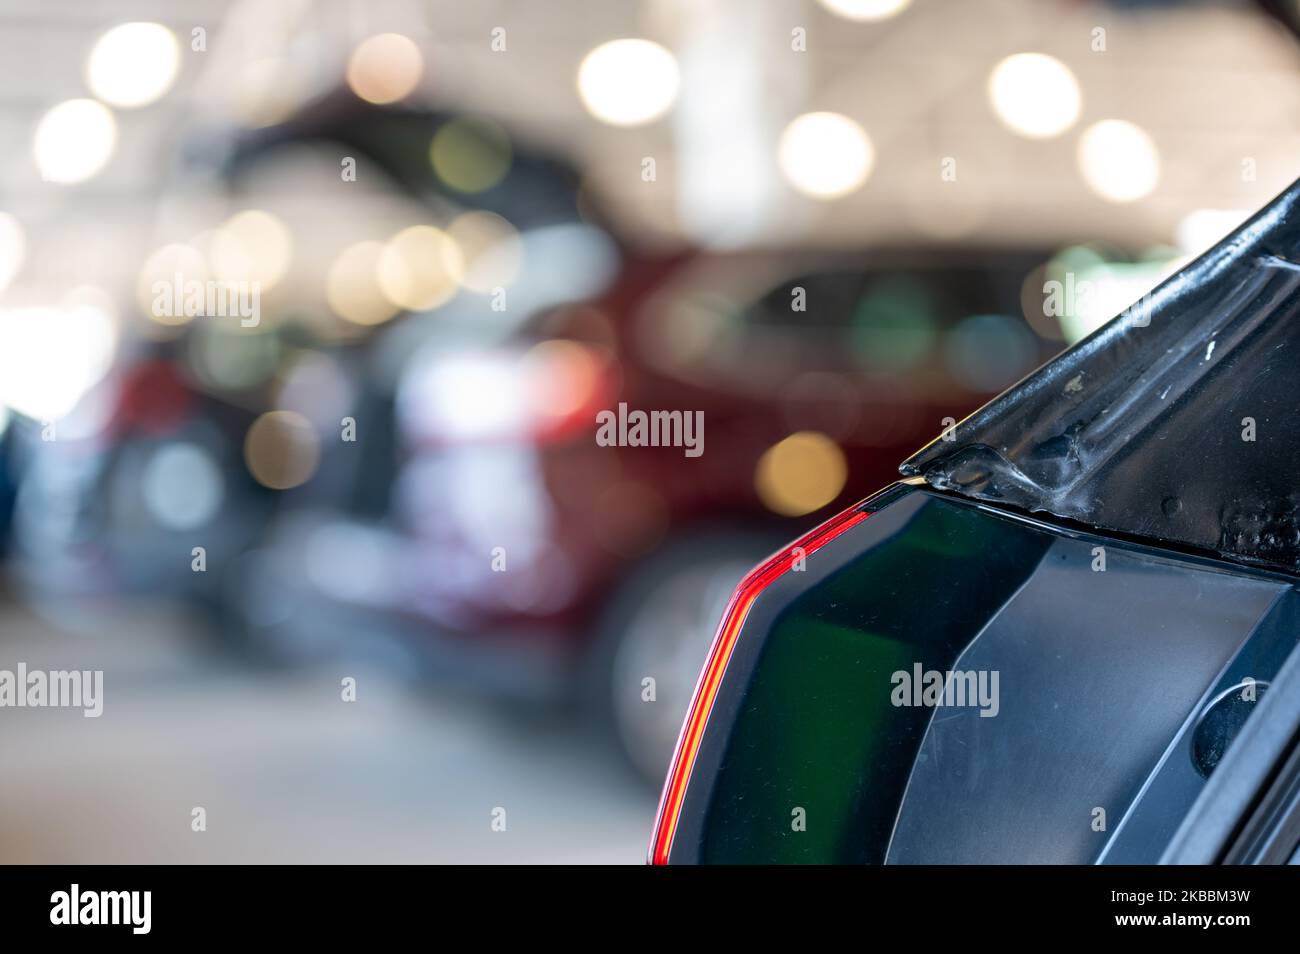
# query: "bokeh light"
[[385, 68], [466, 395], [1035, 95], [252, 246], [282, 450], [182, 486], [825, 155], [470, 155], [419, 267], [133, 64], [162, 270], [1118, 160], [866, 9], [562, 376], [628, 82], [490, 250], [228, 358], [352, 285], [74, 141], [894, 325], [800, 474]]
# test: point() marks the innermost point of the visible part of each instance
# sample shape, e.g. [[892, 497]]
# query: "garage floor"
[[285, 770]]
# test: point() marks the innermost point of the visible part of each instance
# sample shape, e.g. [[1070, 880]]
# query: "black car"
[[1068, 636]]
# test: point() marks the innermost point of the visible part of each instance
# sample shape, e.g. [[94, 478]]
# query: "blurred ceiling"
[[1216, 86]]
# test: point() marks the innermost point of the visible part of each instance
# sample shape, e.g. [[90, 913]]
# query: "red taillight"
[[688, 743]]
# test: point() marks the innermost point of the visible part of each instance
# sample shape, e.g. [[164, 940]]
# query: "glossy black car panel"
[[1087, 663]]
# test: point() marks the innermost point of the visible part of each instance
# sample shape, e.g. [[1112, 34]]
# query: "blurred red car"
[[554, 563]]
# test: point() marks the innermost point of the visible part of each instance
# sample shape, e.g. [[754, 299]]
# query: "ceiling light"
[[825, 155], [74, 141], [628, 82], [1035, 95], [133, 64], [866, 9], [1118, 160]]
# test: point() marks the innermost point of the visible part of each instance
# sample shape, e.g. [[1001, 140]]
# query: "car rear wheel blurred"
[[656, 633]]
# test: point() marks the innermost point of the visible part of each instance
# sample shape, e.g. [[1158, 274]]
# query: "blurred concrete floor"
[[287, 771]]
